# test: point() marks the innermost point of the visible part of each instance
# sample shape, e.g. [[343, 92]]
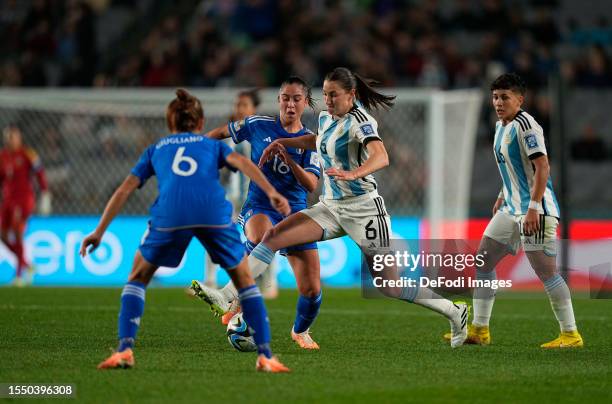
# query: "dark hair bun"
[[182, 94]]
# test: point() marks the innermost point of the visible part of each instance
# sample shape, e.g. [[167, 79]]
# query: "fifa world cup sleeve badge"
[[367, 129], [531, 141]]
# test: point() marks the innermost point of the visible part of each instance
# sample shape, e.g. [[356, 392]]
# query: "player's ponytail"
[[364, 88], [307, 89], [184, 113]]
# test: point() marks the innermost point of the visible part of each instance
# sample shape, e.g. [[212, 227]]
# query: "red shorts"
[[15, 213]]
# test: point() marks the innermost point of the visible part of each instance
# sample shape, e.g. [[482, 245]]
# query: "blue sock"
[[307, 310], [132, 307], [254, 312]]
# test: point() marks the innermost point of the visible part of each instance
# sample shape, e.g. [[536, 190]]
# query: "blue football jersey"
[[187, 169], [260, 131]]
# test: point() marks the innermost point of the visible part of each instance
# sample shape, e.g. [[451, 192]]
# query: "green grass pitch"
[[371, 351]]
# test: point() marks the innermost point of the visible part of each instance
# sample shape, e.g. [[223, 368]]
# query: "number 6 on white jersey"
[[178, 158]]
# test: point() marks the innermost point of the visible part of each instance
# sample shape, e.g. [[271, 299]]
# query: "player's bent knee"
[[139, 276], [543, 265], [309, 290], [142, 270], [256, 239]]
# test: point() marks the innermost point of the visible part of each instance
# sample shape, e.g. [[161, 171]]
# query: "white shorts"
[[508, 229], [364, 218]]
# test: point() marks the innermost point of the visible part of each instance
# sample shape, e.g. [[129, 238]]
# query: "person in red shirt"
[[18, 165]]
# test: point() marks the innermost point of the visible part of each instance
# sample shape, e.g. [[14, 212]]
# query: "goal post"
[[453, 126]]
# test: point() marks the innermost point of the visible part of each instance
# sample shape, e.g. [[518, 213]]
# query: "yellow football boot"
[[477, 335], [567, 339]]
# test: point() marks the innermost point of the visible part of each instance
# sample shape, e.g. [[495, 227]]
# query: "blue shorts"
[[275, 217], [166, 248]]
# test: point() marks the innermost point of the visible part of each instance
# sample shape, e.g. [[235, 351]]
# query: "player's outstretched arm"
[[306, 179], [249, 169], [306, 142], [218, 133], [378, 159], [113, 207]]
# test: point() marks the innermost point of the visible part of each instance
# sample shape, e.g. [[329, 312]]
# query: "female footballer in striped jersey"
[[350, 150], [526, 212]]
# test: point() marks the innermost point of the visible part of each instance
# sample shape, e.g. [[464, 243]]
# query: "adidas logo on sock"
[[135, 320]]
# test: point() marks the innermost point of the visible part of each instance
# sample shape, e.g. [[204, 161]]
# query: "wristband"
[[534, 205]]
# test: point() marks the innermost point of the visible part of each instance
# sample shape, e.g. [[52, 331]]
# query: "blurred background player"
[[351, 150], [526, 212], [294, 172], [18, 165], [191, 203], [236, 184]]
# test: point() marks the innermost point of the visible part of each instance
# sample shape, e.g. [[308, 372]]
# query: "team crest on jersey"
[[314, 159], [531, 141], [367, 129], [238, 125]]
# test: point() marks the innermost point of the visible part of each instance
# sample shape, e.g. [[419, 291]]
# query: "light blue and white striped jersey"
[[341, 143], [515, 145]]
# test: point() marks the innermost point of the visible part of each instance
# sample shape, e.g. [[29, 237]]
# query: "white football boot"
[[458, 325]]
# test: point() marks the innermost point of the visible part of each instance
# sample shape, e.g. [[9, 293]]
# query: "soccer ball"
[[239, 336]]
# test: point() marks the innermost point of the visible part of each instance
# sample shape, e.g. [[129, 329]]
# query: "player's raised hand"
[[280, 203], [92, 241], [341, 175], [269, 152], [282, 153]]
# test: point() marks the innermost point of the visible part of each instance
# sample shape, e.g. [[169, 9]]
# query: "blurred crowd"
[[434, 43], [47, 43]]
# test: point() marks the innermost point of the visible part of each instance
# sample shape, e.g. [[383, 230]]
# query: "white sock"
[[210, 278], [259, 261], [229, 291], [561, 302], [428, 298], [483, 300]]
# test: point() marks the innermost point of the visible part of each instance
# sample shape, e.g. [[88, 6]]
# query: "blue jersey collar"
[[298, 133]]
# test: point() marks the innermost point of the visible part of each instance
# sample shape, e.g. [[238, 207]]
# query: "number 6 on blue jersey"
[[180, 158]]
